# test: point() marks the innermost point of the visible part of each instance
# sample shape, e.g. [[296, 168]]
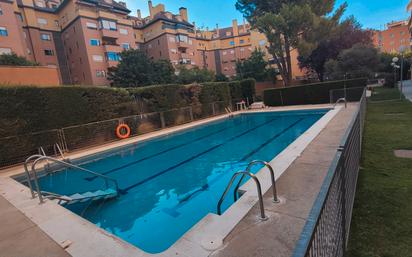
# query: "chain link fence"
[[326, 231], [15, 149]]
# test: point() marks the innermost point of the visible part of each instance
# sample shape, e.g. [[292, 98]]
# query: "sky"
[[207, 13]]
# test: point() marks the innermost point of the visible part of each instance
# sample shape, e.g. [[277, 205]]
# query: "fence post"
[[162, 119], [331, 96], [64, 142], [191, 113], [281, 97], [213, 109]]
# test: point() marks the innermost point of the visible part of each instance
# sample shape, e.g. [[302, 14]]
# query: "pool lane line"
[[161, 152], [206, 186], [124, 190], [270, 140]]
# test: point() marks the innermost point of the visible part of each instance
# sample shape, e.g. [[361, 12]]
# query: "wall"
[[38, 76]]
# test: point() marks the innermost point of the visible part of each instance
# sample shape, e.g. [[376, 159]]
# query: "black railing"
[[327, 228]]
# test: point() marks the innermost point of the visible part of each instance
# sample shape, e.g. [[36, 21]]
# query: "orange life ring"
[[119, 133]]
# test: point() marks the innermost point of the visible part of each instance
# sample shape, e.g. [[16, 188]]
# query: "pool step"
[[90, 196]]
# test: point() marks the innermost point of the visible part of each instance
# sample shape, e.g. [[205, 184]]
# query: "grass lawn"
[[382, 215]]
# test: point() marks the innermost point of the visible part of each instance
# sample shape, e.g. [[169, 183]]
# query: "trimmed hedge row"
[[316, 93], [30, 109]]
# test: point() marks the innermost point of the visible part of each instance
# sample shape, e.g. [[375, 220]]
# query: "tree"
[[136, 69], [360, 60], [254, 67], [195, 74], [291, 24], [164, 72], [344, 36], [15, 60]]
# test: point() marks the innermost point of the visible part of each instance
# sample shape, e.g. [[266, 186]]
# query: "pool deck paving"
[[20, 237], [298, 188]]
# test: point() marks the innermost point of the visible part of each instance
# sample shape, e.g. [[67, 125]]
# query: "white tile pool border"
[[208, 234]]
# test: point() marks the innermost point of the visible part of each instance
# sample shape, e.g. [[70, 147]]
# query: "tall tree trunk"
[[288, 60]]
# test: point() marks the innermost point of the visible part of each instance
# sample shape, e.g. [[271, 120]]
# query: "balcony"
[[112, 48], [109, 33], [182, 44]]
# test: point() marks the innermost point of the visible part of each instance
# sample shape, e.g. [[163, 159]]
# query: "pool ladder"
[[243, 174], [38, 158], [341, 100]]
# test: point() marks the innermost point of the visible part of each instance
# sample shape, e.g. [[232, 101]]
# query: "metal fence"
[[326, 231], [15, 149]]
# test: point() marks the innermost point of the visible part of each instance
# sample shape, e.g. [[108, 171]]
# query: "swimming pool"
[[170, 183]]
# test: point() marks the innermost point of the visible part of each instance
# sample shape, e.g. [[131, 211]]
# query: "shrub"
[[316, 93], [15, 60], [31, 109], [161, 97]]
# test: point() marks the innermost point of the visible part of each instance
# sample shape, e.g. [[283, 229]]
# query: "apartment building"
[[83, 38], [393, 38]]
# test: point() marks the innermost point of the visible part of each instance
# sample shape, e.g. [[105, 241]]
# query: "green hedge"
[[31, 109], [316, 93]]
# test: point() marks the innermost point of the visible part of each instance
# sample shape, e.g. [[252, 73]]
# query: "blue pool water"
[[170, 183]]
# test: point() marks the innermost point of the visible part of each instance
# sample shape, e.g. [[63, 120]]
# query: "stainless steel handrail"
[[33, 169], [26, 171], [272, 178], [258, 187], [340, 100]]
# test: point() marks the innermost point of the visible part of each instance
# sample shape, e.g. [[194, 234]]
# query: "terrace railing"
[[15, 149], [326, 231]]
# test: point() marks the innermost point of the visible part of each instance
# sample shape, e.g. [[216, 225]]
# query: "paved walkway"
[[20, 237], [298, 187]]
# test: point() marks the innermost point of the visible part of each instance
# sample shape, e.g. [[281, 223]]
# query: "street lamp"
[[402, 50], [395, 66]]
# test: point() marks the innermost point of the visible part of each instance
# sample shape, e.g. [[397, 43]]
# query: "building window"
[[123, 31], [228, 33], [45, 37], [40, 4], [112, 56], [126, 46], [1, 11], [100, 73], [232, 51], [41, 21], [94, 42], [49, 52], [181, 38], [4, 50], [224, 52], [3, 32], [110, 25], [91, 25], [97, 58], [392, 35], [19, 16], [242, 41], [232, 43]]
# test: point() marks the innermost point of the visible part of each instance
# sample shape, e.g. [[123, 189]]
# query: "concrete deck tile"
[[274, 237], [12, 220], [20, 237]]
